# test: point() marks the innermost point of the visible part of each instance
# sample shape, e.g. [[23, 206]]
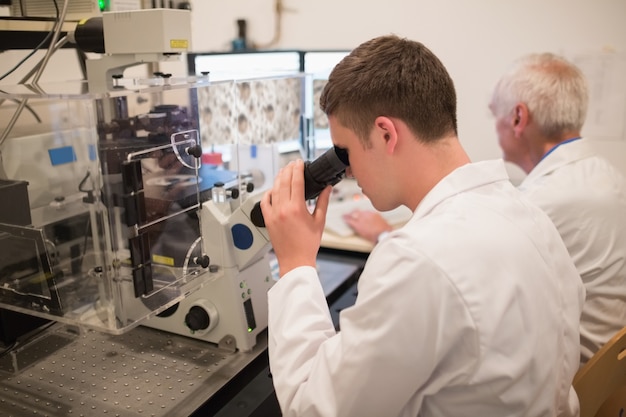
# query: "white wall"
[[476, 40]]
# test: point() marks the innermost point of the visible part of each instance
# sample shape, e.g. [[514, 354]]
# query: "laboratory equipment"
[[117, 223], [165, 35], [77, 9]]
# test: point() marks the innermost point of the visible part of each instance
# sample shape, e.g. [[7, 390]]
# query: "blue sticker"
[[63, 155], [242, 236], [253, 151], [92, 153]]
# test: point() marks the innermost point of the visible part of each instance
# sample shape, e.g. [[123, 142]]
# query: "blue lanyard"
[[556, 146]]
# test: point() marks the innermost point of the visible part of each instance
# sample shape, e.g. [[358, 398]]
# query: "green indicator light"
[[102, 4], [249, 330]]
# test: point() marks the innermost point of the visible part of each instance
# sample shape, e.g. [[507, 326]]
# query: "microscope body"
[[230, 308]]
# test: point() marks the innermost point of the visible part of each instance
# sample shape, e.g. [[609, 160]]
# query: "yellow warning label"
[[163, 260], [179, 43]]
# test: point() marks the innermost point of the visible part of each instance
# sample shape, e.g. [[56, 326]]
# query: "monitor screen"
[[321, 63], [236, 65]]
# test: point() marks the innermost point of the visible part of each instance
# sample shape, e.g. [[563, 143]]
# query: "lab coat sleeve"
[[299, 323], [408, 319]]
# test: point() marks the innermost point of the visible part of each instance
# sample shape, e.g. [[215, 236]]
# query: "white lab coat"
[[470, 309], [585, 196]]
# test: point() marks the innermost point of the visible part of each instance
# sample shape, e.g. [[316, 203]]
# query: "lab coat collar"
[[563, 155], [462, 179]]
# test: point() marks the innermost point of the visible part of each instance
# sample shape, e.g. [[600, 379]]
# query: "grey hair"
[[554, 90]]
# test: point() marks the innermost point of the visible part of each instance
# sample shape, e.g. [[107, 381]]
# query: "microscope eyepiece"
[[327, 169]]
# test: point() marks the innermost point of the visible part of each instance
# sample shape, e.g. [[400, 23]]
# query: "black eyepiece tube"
[[327, 169]]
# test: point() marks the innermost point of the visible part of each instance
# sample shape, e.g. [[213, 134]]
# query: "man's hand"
[[295, 232], [367, 224]]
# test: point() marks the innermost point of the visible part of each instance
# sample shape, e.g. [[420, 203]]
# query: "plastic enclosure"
[[125, 219]]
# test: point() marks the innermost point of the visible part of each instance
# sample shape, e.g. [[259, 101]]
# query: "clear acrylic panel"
[[126, 202]]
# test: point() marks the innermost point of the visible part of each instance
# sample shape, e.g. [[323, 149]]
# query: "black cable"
[[82, 183], [82, 61], [41, 44], [89, 199], [30, 109]]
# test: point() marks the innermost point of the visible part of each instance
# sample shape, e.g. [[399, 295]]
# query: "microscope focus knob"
[[203, 261], [197, 319], [202, 317]]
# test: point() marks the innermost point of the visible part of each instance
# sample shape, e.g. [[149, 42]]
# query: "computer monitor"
[[244, 64], [269, 89], [318, 65]]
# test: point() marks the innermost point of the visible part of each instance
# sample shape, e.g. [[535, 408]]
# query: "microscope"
[[115, 221]]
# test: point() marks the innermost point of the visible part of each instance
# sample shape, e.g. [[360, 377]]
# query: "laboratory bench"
[[66, 371]]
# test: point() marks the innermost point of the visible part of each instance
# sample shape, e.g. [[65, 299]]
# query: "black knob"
[[203, 261], [256, 215], [250, 187], [195, 150], [197, 318], [234, 193]]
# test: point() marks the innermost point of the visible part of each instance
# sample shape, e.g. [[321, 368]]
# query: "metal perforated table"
[[144, 372]]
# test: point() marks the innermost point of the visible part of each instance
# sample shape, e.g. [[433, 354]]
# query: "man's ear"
[[385, 129], [521, 117]]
